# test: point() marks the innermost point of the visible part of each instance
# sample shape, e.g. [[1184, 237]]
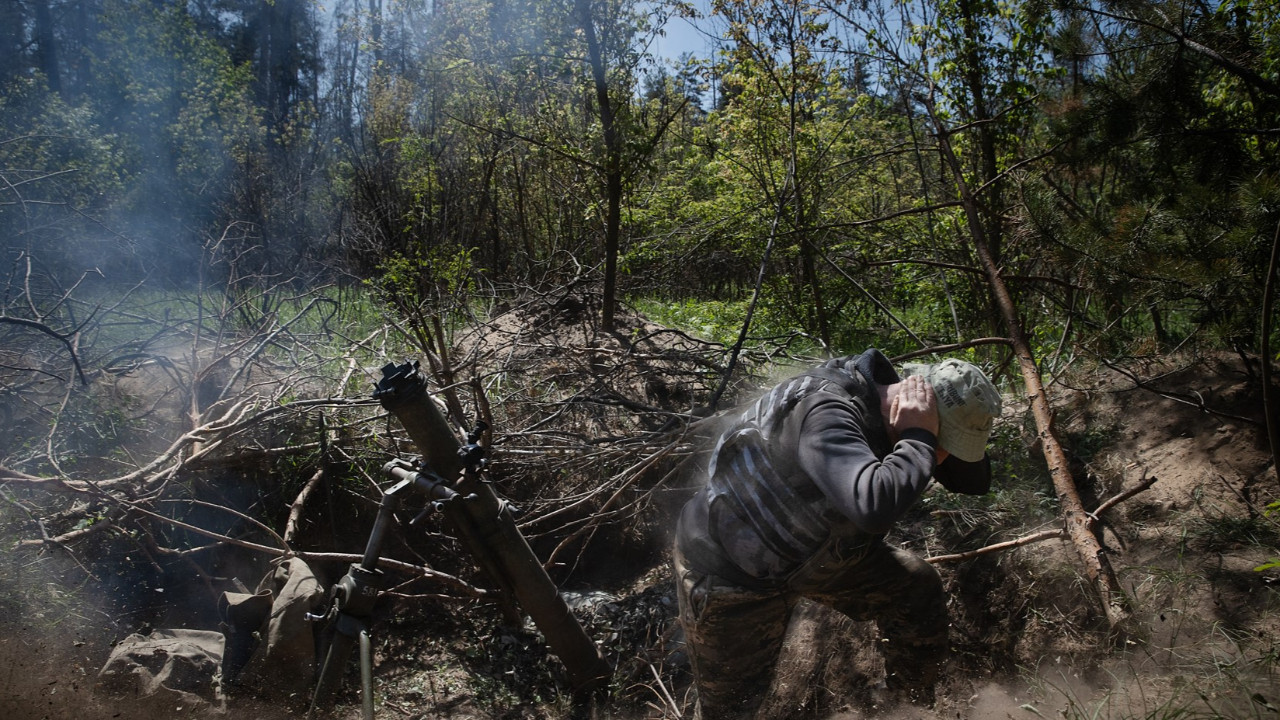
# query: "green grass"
[[712, 320]]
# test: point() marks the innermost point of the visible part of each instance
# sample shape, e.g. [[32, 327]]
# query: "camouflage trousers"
[[734, 634]]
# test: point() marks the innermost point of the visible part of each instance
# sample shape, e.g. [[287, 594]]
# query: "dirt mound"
[[640, 367], [1186, 550]]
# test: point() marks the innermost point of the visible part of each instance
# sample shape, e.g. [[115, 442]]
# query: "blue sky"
[[684, 36]]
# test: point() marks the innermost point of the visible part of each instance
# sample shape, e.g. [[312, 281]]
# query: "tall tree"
[[1166, 192], [13, 25], [47, 46], [279, 40], [607, 110]]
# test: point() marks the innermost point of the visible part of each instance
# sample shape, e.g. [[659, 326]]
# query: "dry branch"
[[1114, 500], [453, 582], [300, 502], [68, 537], [67, 340], [1197, 402], [1008, 545], [52, 484], [937, 349], [1059, 533]]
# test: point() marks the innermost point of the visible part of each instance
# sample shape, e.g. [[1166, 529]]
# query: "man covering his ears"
[[802, 486]]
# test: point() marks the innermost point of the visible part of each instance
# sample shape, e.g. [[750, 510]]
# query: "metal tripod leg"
[[335, 661], [366, 675]]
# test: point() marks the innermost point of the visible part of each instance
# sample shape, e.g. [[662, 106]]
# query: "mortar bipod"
[[351, 600]]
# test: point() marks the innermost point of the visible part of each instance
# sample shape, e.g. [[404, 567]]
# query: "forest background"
[[1117, 159], [264, 201]]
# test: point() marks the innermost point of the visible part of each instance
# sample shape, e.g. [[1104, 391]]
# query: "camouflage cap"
[[968, 405]]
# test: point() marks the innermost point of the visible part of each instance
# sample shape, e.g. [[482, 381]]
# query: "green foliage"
[[58, 171], [473, 132], [1272, 509], [713, 320], [438, 272], [185, 114], [1181, 231]]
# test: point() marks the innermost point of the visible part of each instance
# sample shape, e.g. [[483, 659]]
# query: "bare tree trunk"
[[810, 270], [612, 163], [47, 46], [1269, 402], [375, 31], [1080, 525]]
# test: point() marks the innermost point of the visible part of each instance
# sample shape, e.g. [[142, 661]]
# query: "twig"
[[8, 475], [252, 521], [64, 339], [671, 703], [1269, 399], [1117, 499], [1176, 397], [68, 537], [627, 478], [1254, 510], [401, 566], [295, 510], [1044, 534], [736, 350], [951, 348], [1025, 540], [875, 300], [387, 563]]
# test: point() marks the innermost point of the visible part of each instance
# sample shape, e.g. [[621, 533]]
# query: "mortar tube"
[[491, 533], [402, 392], [537, 592]]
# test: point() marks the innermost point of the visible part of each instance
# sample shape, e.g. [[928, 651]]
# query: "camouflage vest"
[[763, 511]]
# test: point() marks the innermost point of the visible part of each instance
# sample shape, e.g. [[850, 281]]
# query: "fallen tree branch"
[[1079, 524], [13, 476], [454, 583], [223, 508], [295, 510], [235, 420], [64, 339], [1121, 497], [1199, 402], [386, 563], [1025, 540], [1044, 534], [68, 537], [627, 478]]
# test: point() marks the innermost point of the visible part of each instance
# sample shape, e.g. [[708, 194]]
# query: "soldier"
[[801, 488]]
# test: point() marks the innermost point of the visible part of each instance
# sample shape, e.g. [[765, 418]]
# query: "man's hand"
[[914, 406]]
